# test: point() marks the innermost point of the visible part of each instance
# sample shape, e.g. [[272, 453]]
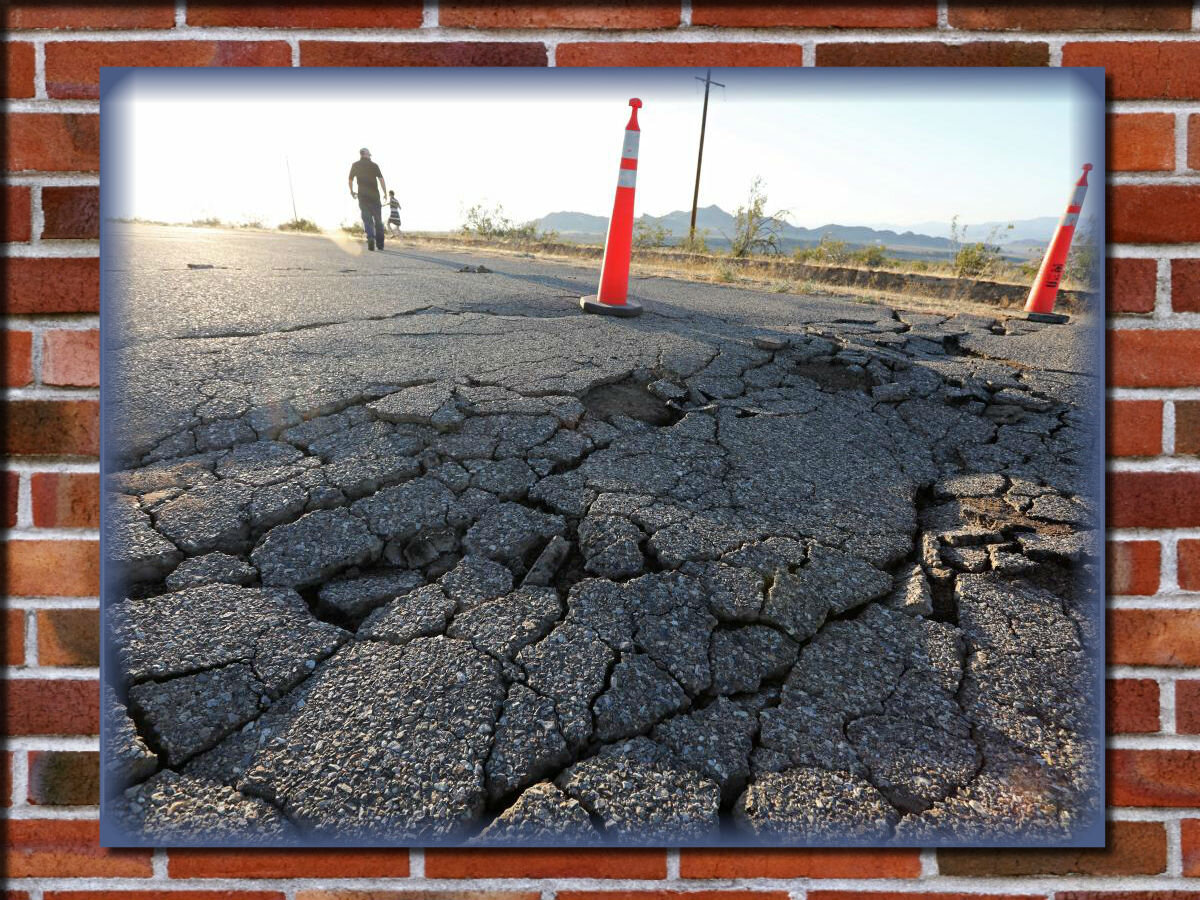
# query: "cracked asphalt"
[[399, 553]]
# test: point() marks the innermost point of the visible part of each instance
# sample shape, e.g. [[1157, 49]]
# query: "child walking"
[[394, 216]]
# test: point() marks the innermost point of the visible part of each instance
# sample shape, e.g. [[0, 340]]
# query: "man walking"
[[368, 195]]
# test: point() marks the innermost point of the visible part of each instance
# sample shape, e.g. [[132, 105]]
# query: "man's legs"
[[377, 212], [368, 220]]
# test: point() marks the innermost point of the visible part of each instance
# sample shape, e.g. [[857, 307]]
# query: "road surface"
[[404, 551]]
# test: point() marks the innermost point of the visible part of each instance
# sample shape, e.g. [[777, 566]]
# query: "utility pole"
[[295, 215], [707, 79]]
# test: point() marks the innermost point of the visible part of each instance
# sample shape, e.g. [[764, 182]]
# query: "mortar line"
[[1169, 576], [1166, 705], [31, 642], [1168, 427], [1181, 140]]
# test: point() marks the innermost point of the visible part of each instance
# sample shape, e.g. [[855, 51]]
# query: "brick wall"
[[51, 301]]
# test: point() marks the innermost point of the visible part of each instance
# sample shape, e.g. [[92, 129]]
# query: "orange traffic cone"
[[612, 299], [1040, 305]]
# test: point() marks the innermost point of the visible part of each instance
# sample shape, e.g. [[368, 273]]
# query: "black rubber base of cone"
[[626, 310], [1048, 318]]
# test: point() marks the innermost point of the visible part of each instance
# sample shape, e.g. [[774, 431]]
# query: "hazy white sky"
[[833, 146]]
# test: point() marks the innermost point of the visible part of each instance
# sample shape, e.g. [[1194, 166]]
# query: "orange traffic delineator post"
[[1040, 305], [612, 299]]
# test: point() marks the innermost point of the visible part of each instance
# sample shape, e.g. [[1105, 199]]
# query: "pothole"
[[829, 376], [629, 398]]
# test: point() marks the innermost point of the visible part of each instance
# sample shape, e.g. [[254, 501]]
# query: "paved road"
[[410, 553]]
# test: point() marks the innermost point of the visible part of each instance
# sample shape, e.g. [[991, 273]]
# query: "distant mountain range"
[[1027, 237]]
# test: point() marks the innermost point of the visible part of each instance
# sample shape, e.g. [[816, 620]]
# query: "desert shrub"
[[872, 256], [753, 230], [305, 225], [647, 235]]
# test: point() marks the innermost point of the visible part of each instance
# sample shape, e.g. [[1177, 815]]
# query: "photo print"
[[602, 457]]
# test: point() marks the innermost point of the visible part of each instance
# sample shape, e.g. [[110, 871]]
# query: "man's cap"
[[362, 150]]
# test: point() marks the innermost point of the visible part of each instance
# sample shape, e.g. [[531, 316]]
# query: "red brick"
[[1102, 16], [64, 778], [1134, 427], [1138, 358], [1154, 637], [1142, 70], [1125, 895], [905, 895], [449, 53], [18, 70], [1185, 284], [18, 358], [789, 863], [71, 212], [1131, 706], [545, 863], [1187, 427], [16, 213], [52, 428], [42, 706], [672, 895], [416, 895], [1188, 555], [572, 14], [1154, 499], [73, 69], [52, 142], [71, 358], [1131, 285], [163, 895], [1154, 777], [65, 499], [1131, 848], [1187, 706], [34, 287], [1154, 213], [12, 487], [84, 16], [931, 53], [1190, 840], [14, 637], [631, 53], [1193, 141], [403, 14], [1141, 143], [814, 15], [59, 848], [1133, 567], [6, 788], [288, 863], [68, 637], [51, 568]]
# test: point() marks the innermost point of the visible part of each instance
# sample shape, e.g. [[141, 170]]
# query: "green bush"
[[646, 235], [305, 225], [872, 256], [827, 252], [210, 222], [753, 230], [696, 242]]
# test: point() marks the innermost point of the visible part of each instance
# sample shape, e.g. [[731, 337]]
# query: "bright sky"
[[832, 145]]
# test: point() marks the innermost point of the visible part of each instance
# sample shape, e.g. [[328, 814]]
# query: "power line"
[[707, 79]]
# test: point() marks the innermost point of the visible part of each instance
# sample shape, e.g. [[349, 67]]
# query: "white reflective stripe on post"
[[629, 149], [626, 178], [1070, 219], [1077, 197]]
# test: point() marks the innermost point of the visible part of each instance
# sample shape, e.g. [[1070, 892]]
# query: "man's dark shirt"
[[366, 172]]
